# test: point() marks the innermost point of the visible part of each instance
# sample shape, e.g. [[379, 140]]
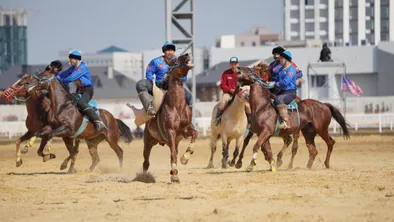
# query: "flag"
[[350, 86]]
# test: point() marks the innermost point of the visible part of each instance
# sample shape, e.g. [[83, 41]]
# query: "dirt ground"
[[358, 187]]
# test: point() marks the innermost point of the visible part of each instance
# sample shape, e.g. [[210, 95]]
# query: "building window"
[[319, 81], [309, 2]]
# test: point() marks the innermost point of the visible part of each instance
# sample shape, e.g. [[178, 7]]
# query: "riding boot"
[[91, 114], [218, 116], [282, 108], [146, 100]]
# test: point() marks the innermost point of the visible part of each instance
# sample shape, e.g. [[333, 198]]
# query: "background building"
[[13, 38], [340, 22]]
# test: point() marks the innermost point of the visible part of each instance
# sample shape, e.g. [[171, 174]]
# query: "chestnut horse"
[[37, 117], [315, 118], [64, 120], [262, 69], [173, 120]]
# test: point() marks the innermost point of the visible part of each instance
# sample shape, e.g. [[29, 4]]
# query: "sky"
[[135, 25]]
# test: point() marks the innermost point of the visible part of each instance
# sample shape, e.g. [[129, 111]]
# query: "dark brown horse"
[[261, 70], [37, 109], [173, 121], [315, 118], [64, 120]]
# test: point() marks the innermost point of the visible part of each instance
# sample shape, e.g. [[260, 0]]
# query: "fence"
[[376, 122]]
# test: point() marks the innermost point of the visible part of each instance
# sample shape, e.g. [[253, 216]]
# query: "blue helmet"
[[168, 46], [75, 55], [287, 55]]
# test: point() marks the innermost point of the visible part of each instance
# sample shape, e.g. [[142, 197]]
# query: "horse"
[[314, 118], [173, 119], [65, 120], [232, 126], [37, 109], [262, 69]]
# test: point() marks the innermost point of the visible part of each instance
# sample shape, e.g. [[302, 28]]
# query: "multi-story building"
[[13, 38], [339, 22], [255, 37]]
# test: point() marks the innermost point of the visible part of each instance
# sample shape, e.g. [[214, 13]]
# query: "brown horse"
[[64, 120], [36, 117], [315, 118], [173, 120], [261, 69]]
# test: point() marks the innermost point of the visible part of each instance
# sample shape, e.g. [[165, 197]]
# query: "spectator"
[[325, 54]]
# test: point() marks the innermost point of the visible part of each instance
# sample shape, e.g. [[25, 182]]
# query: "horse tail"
[[340, 119], [125, 131]]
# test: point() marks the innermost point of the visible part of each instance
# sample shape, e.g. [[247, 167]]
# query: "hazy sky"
[[91, 25]]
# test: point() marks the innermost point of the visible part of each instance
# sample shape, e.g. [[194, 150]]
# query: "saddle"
[[141, 117], [293, 105]]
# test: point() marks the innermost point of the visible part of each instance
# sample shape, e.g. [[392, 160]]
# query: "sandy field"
[[358, 187]]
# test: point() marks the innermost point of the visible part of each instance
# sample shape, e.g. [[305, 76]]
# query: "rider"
[[158, 67], [79, 73], [285, 82], [228, 85], [275, 66]]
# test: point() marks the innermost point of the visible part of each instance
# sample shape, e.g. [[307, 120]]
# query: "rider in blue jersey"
[[158, 68], [285, 83]]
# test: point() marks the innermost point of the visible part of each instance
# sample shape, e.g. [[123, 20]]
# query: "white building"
[[128, 63], [340, 22]]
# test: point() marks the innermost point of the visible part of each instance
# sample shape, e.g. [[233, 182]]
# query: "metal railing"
[[372, 122]]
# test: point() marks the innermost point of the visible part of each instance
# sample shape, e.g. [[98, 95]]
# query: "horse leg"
[[92, 146], [309, 135], [112, 140], [171, 135], [264, 136], [149, 142], [74, 153], [330, 145], [236, 150], [286, 143], [29, 145], [213, 143], [241, 155], [70, 146], [25, 137], [225, 144], [294, 149], [45, 143], [189, 151]]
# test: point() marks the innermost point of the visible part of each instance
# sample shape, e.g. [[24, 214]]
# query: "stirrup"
[[151, 111]]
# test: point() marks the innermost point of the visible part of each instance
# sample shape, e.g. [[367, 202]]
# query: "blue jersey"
[[286, 79], [158, 67], [80, 75], [276, 67]]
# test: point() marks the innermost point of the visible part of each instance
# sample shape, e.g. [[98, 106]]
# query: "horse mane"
[[73, 99], [233, 96]]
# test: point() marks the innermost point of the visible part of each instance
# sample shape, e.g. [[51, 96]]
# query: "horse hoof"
[[63, 166], [249, 169], [238, 165], [231, 163], [327, 165], [210, 166], [25, 150], [52, 156], [290, 167], [19, 163], [279, 163], [184, 161], [175, 179], [71, 171]]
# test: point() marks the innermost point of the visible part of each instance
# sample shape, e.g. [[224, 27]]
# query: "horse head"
[[243, 93], [263, 70], [181, 66], [20, 89]]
